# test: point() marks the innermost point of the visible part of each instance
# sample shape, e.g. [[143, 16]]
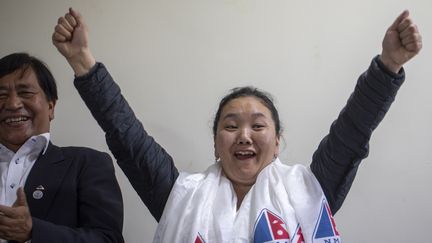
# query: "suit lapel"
[[45, 180]]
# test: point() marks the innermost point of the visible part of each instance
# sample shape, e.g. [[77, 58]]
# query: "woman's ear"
[[276, 152], [216, 153]]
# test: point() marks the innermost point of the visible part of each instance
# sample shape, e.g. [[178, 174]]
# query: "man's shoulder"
[[81, 153], [80, 149]]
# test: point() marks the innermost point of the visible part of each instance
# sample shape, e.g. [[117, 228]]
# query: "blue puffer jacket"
[[152, 172]]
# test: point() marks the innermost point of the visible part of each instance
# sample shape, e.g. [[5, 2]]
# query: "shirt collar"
[[38, 143], [44, 139]]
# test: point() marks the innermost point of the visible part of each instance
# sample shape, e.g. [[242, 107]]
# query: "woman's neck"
[[240, 191]]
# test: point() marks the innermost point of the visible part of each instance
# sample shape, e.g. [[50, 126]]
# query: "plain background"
[[175, 59]]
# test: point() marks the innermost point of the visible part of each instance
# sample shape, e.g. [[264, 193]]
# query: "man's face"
[[24, 109]]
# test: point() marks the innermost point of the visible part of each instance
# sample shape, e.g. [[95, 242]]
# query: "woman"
[[248, 194]]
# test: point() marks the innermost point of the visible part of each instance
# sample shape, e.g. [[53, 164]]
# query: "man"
[[49, 193]]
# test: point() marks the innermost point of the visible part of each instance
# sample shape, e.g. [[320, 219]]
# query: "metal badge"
[[37, 194]]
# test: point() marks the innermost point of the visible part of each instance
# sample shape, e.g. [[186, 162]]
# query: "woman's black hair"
[[249, 91]]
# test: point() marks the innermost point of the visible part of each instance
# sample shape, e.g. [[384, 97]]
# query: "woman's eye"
[[257, 126], [230, 127]]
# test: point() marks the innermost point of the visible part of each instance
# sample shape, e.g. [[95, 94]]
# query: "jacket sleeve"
[[339, 154], [149, 168], [88, 206]]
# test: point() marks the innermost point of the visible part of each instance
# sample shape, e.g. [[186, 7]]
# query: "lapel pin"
[[38, 194]]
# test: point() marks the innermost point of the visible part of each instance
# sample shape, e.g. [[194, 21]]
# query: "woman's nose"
[[244, 137]]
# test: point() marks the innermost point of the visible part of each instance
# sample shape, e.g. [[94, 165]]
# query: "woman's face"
[[246, 139]]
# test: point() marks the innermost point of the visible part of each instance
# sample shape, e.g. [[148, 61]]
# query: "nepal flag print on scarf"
[[325, 230], [199, 239], [285, 205], [270, 228]]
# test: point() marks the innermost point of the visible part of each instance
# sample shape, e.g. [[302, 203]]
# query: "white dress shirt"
[[15, 167]]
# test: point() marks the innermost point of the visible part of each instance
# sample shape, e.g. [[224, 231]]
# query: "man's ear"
[[51, 106]]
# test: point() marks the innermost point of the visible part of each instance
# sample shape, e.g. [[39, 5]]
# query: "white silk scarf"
[[285, 205]]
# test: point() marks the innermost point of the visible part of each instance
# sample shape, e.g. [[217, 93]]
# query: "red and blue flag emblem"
[[298, 236], [199, 239], [270, 228], [325, 229]]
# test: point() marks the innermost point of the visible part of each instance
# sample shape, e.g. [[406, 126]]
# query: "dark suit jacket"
[[81, 199]]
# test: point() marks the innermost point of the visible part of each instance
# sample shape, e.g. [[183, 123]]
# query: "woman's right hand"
[[70, 37]]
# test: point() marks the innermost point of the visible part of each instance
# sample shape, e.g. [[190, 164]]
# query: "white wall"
[[175, 59]]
